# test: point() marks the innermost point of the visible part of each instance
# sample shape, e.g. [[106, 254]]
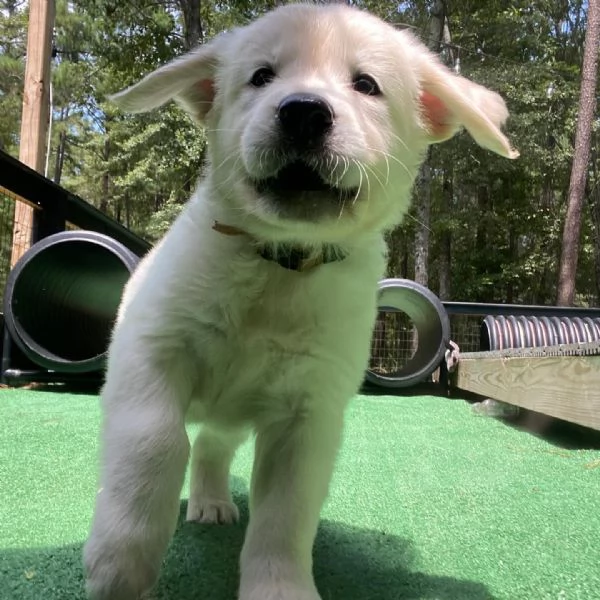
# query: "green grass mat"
[[429, 502]]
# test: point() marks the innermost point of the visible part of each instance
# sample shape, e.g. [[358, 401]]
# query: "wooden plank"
[[565, 387], [36, 111]]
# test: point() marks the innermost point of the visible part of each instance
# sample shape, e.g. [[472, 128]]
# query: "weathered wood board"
[[565, 387]]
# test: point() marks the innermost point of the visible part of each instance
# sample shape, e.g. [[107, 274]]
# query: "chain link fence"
[[395, 339]]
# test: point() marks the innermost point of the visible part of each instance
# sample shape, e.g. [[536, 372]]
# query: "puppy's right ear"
[[189, 79]]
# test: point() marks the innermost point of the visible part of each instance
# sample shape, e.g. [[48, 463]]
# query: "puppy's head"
[[320, 115]]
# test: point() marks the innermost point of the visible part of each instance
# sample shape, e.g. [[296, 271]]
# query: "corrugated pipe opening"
[[62, 297]]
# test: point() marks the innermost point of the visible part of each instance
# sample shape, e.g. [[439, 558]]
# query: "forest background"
[[482, 228]]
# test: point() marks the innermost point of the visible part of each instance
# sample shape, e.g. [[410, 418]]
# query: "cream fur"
[[209, 331]]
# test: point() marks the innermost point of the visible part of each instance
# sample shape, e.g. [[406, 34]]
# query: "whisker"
[[236, 169], [360, 182], [367, 179], [343, 199], [388, 156], [261, 155], [219, 130], [224, 161], [419, 222], [333, 171], [371, 170], [346, 166], [399, 140]]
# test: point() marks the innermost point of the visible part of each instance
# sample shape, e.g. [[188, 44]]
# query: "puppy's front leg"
[[293, 465], [145, 451]]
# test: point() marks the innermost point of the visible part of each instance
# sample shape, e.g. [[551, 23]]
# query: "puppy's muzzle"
[[305, 120], [300, 183]]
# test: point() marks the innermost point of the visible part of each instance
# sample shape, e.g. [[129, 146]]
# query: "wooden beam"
[[36, 111], [565, 387]]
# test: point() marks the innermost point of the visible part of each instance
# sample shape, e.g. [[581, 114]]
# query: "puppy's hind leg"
[[210, 499], [144, 454]]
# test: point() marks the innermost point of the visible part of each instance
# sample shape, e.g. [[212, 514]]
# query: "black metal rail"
[[526, 310], [59, 206]]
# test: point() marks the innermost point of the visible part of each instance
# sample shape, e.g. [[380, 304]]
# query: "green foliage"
[[13, 41], [505, 218], [130, 166], [497, 223]]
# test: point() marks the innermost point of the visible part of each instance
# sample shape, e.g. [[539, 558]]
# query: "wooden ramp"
[[560, 381]]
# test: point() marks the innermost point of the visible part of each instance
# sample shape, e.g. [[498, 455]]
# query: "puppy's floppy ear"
[[450, 102], [189, 79]]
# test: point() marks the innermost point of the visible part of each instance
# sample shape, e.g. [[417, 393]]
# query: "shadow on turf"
[[557, 432], [350, 564]]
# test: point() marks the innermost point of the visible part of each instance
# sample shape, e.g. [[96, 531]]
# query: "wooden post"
[[36, 111]]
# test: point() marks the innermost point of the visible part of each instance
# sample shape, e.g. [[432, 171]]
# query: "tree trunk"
[[404, 261], [513, 252], [581, 154], [482, 241], [60, 157], [395, 244], [192, 23], [596, 212], [422, 217], [445, 260], [128, 212], [104, 198], [425, 178]]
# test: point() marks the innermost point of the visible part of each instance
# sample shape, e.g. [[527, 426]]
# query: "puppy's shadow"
[[350, 564], [202, 563]]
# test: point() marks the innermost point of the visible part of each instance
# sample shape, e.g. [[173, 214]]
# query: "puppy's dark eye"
[[262, 77], [365, 84]]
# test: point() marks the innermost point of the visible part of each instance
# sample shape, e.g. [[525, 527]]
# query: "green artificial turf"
[[429, 501]]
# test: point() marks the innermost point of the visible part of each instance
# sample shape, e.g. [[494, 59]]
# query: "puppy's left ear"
[[189, 79], [449, 102]]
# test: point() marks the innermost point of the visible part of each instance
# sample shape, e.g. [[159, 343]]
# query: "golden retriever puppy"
[[254, 314]]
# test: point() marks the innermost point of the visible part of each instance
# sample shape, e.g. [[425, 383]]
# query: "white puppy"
[[254, 314]]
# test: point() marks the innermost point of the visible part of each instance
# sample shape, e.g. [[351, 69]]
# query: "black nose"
[[305, 119]]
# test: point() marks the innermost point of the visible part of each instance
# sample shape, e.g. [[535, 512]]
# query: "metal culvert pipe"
[[503, 332], [431, 323], [62, 297]]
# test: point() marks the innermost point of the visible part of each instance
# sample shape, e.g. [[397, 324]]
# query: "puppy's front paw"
[[208, 510], [117, 571], [274, 579], [279, 591]]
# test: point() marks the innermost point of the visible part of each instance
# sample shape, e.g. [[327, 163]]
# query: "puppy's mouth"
[[297, 177]]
